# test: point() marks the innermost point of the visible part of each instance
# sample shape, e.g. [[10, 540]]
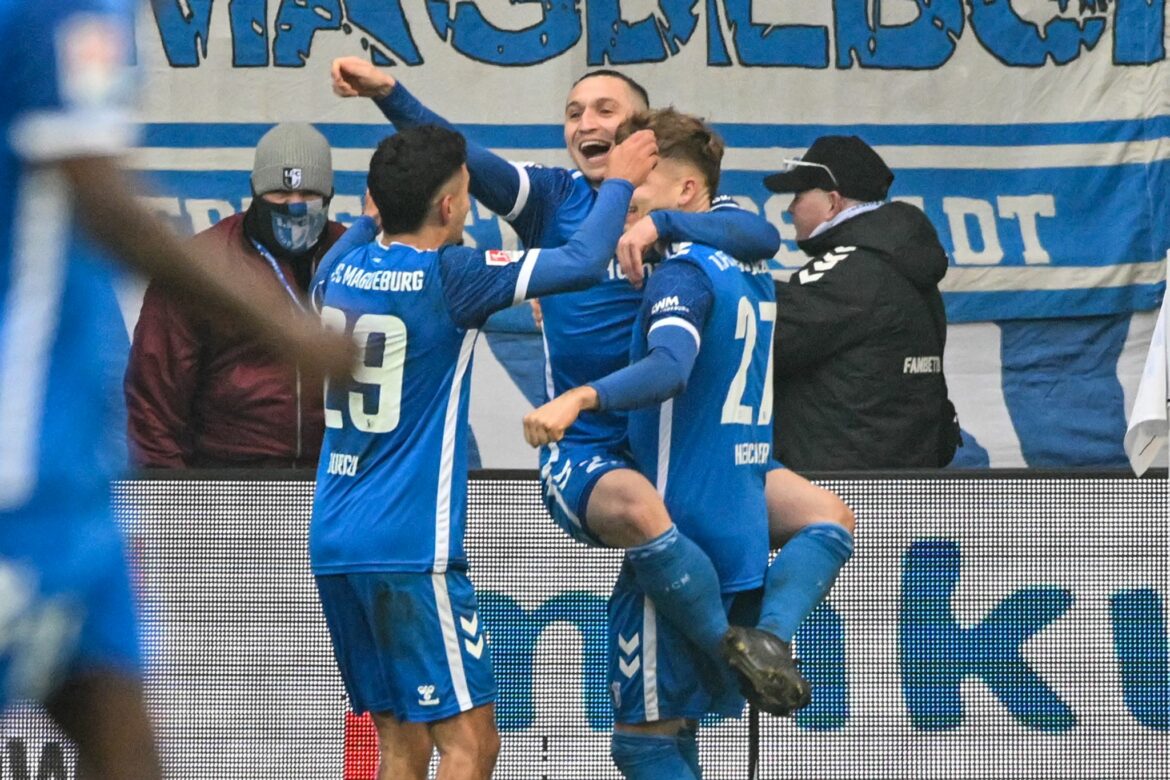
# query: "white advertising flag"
[[1145, 437]]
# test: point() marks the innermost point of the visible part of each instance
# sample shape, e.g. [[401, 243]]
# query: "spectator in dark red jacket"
[[202, 394]]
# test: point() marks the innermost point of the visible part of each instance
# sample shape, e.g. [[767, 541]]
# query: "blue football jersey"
[[63, 343], [392, 479], [586, 333], [707, 449]]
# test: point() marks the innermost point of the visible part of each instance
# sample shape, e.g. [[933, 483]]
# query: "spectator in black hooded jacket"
[[860, 329]]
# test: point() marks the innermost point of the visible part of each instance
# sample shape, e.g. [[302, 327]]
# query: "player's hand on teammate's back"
[[632, 247], [356, 77], [548, 423], [633, 158]]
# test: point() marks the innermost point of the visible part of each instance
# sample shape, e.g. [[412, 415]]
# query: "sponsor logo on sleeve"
[[500, 257]]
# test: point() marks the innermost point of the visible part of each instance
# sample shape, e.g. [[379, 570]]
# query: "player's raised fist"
[[356, 77], [548, 423], [633, 158]]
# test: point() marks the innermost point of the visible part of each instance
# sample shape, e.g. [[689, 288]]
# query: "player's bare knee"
[[625, 510], [472, 758]]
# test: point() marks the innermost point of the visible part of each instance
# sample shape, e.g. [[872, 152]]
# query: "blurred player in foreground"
[[701, 358], [592, 489], [386, 537], [68, 629]]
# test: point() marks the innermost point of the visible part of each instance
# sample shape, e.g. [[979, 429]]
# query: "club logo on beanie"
[[293, 178]]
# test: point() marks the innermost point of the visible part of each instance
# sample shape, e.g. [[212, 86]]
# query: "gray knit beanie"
[[293, 156]]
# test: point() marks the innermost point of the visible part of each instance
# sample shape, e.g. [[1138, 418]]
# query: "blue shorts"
[[65, 596], [656, 673], [569, 477], [410, 645]]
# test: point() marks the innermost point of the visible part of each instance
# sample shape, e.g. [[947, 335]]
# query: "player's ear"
[[689, 191], [444, 208]]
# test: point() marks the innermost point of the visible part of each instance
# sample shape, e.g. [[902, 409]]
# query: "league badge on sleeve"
[[499, 257], [93, 62]]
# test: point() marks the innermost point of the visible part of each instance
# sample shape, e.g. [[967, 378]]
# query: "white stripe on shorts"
[[451, 641]]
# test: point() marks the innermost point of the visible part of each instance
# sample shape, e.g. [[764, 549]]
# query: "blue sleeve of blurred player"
[[727, 227], [478, 283], [675, 307], [67, 80], [361, 232]]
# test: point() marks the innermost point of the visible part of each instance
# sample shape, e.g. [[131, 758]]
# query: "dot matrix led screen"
[[986, 627]]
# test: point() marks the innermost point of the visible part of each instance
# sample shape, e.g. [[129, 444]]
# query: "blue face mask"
[[296, 227]]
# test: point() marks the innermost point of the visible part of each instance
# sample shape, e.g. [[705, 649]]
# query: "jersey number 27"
[[734, 410]]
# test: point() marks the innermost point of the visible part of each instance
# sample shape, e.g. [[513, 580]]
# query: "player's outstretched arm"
[[660, 375], [495, 182], [727, 227], [672, 341], [477, 284], [584, 257], [105, 201]]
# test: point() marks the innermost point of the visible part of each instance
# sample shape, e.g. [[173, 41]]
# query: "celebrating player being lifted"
[[592, 489], [386, 537], [701, 350]]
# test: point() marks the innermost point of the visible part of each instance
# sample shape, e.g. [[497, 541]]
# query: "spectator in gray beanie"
[[201, 395]]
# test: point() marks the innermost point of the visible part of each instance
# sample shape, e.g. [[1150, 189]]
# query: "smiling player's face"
[[595, 108]]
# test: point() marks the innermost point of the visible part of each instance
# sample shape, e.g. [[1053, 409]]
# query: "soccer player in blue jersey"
[[592, 490], [701, 382], [386, 537], [68, 629]]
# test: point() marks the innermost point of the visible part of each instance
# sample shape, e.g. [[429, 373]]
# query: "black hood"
[[900, 233]]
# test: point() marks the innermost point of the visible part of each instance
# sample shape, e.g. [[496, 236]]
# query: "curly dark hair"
[[406, 171]]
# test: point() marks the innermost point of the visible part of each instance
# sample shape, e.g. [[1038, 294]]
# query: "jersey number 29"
[[386, 376]]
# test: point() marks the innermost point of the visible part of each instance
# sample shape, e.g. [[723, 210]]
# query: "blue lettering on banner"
[[1139, 639], [924, 44], [514, 636], [936, 654], [471, 34], [249, 20], [820, 644], [614, 41], [1099, 261], [927, 42]]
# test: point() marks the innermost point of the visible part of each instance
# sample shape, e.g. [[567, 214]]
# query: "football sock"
[[681, 581], [801, 575], [649, 757]]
